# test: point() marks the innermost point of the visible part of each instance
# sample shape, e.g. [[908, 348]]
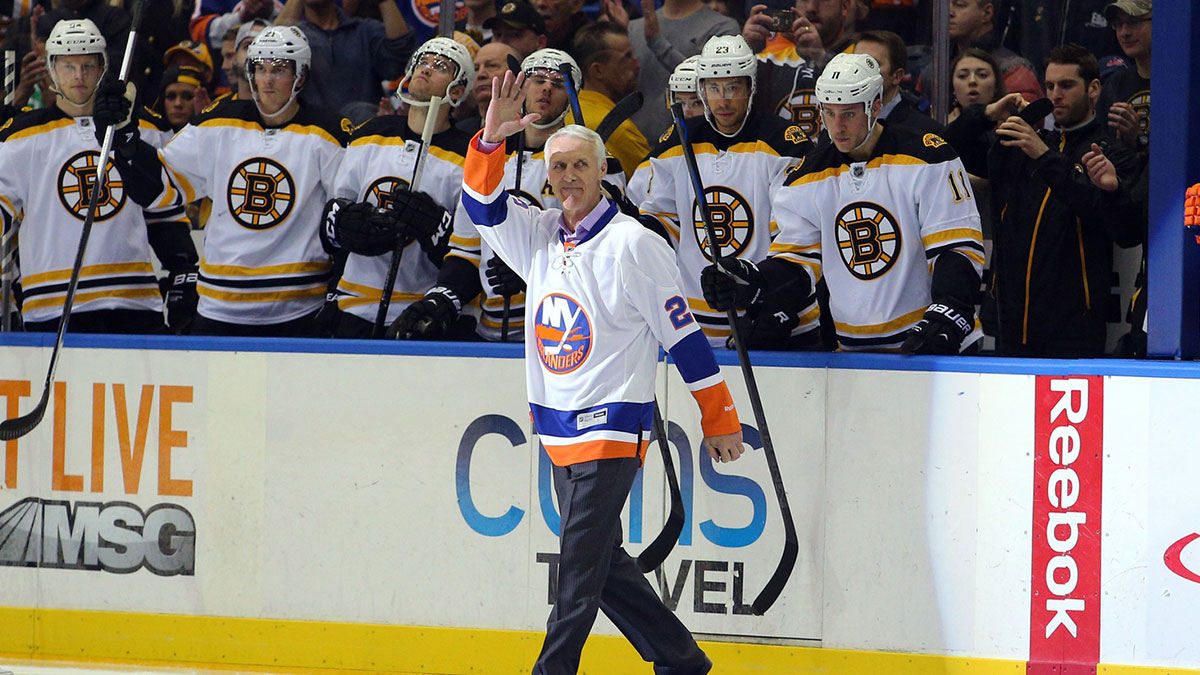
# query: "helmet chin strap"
[[713, 123], [551, 124], [291, 99], [402, 96]]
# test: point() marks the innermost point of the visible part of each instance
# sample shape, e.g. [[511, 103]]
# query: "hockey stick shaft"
[[657, 551], [385, 300], [10, 76], [446, 18], [622, 111], [775, 584], [572, 92], [507, 310], [19, 426]]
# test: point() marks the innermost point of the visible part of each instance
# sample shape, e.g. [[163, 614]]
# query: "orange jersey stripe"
[[718, 414], [483, 171], [576, 453]]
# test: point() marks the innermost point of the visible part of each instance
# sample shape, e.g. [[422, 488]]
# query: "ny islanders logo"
[[563, 333]]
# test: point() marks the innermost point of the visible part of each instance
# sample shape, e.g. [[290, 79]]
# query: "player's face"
[[432, 76], [1073, 98], [545, 94], [179, 103], [1133, 33], [77, 75], [692, 107], [490, 61], [574, 173], [974, 82], [729, 100], [274, 80], [846, 123]]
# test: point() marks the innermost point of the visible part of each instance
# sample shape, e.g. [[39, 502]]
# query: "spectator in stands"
[[478, 13], [1125, 99], [972, 25], [1052, 256], [519, 26], [212, 24], [367, 51], [787, 63], [490, 61], [33, 86], [181, 96], [563, 19], [661, 40], [977, 81], [730, 8], [891, 53], [610, 73], [228, 81], [834, 21], [193, 56]]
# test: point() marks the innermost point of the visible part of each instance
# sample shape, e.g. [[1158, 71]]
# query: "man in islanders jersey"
[[603, 295], [885, 214], [269, 165], [471, 268], [48, 163], [373, 184], [739, 154]]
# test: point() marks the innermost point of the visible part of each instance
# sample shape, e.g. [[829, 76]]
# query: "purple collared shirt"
[[581, 230]]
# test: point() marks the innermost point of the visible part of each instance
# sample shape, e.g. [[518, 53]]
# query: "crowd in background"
[[192, 54]]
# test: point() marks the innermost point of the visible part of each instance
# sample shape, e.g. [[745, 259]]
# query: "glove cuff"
[[447, 294], [953, 316]]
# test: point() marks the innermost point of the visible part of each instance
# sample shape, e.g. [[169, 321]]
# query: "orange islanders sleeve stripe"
[[718, 414], [586, 451], [483, 199]]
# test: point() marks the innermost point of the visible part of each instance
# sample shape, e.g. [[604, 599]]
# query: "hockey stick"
[[10, 76], [19, 426], [770, 592], [446, 18], [657, 551], [515, 66], [565, 69], [622, 111], [385, 300]]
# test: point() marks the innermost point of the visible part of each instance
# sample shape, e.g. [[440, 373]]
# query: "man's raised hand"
[[503, 117]]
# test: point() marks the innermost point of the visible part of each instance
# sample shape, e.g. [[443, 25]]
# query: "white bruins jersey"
[[466, 243], [881, 225], [737, 174], [47, 173], [263, 261], [381, 157], [599, 309]]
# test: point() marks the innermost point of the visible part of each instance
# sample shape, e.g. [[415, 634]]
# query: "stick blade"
[[770, 593], [653, 555], [19, 426], [514, 64]]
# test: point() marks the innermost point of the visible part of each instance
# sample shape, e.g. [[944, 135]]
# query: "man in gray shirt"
[[662, 40]]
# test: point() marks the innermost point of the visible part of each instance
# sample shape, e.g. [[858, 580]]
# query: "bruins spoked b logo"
[[733, 221], [77, 179], [868, 239], [261, 193], [380, 192]]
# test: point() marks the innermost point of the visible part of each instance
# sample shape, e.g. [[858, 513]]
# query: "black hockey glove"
[[116, 101], [429, 318], [735, 284], [617, 196], [941, 330], [360, 227], [424, 221], [179, 296], [504, 281]]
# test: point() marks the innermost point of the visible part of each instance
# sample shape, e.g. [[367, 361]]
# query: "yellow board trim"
[[274, 646]]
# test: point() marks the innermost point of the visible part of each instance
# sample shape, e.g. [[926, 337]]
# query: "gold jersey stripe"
[[892, 326], [59, 300], [89, 271], [267, 271], [262, 296]]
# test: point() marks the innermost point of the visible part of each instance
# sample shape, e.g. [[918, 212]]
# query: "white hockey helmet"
[[448, 48], [75, 36], [551, 60], [279, 43], [852, 78], [726, 56], [683, 79]]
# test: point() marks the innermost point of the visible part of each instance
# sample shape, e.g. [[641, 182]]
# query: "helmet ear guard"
[[726, 56]]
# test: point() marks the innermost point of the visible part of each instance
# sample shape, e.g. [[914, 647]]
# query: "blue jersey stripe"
[[694, 358], [486, 215], [616, 416]]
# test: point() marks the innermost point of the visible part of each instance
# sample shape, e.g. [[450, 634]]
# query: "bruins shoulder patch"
[[666, 135], [348, 126], [795, 134], [6, 124], [933, 141]]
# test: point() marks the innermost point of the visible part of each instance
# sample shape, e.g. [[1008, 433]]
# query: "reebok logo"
[[114, 537]]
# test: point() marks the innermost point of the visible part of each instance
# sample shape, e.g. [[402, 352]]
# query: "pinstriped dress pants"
[[595, 573]]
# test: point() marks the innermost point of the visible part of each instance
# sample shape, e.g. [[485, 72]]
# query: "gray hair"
[[582, 133]]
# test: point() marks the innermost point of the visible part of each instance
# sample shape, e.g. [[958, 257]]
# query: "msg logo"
[[114, 537]]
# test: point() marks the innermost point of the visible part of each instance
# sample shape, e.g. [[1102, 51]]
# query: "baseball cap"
[[1130, 7], [519, 14], [197, 51], [249, 30]]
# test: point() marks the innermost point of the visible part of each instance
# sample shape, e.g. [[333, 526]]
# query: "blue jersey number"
[[677, 309]]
